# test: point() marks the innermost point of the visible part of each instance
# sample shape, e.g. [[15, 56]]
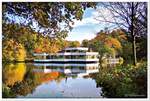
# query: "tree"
[[131, 16], [26, 22], [48, 45], [74, 43], [108, 41], [49, 18], [20, 34], [113, 43], [31, 41], [119, 34], [102, 49], [85, 43], [20, 53], [141, 48], [127, 52], [13, 51]]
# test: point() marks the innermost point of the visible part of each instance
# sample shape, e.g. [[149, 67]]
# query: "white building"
[[72, 55]]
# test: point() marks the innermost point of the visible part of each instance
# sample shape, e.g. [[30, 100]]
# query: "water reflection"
[[13, 73], [79, 70], [50, 80]]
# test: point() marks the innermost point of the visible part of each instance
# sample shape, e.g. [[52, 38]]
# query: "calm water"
[[50, 80]]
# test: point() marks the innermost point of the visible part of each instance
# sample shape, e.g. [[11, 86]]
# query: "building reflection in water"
[[50, 80], [76, 70]]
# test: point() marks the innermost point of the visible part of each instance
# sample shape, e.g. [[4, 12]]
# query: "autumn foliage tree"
[[74, 43], [46, 15], [131, 16], [13, 51], [38, 26], [110, 43]]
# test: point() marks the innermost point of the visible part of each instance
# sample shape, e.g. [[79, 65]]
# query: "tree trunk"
[[133, 35], [134, 50]]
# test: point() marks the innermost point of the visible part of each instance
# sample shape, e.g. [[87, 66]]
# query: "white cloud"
[[73, 36], [95, 13], [106, 17], [98, 16], [84, 21], [93, 27], [103, 15]]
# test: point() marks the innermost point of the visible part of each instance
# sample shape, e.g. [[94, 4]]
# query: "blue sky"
[[86, 28], [89, 26]]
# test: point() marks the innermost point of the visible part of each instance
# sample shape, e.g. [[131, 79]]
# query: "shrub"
[[123, 80]]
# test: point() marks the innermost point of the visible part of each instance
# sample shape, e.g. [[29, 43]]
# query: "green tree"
[[85, 43], [103, 50], [127, 52], [105, 43], [74, 43]]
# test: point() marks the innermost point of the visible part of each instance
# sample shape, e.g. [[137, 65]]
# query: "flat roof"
[[74, 53], [76, 48]]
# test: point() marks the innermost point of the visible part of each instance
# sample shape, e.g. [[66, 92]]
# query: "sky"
[[87, 27], [84, 29]]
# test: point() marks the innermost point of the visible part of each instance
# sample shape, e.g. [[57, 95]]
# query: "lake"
[[35, 80]]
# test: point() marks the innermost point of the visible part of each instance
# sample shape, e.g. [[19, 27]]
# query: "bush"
[[123, 80], [121, 60]]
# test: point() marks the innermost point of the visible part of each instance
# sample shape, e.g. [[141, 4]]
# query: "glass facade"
[[67, 57], [78, 51], [72, 57], [69, 54], [40, 57]]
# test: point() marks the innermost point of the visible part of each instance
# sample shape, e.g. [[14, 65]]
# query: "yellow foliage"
[[121, 60], [13, 73], [7, 49], [107, 40], [122, 35], [113, 43], [21, 53], [11, 50], [101, 36], [48, 46], [119, 34]]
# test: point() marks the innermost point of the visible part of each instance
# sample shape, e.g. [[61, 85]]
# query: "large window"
[[76, 51], [40, 57]]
